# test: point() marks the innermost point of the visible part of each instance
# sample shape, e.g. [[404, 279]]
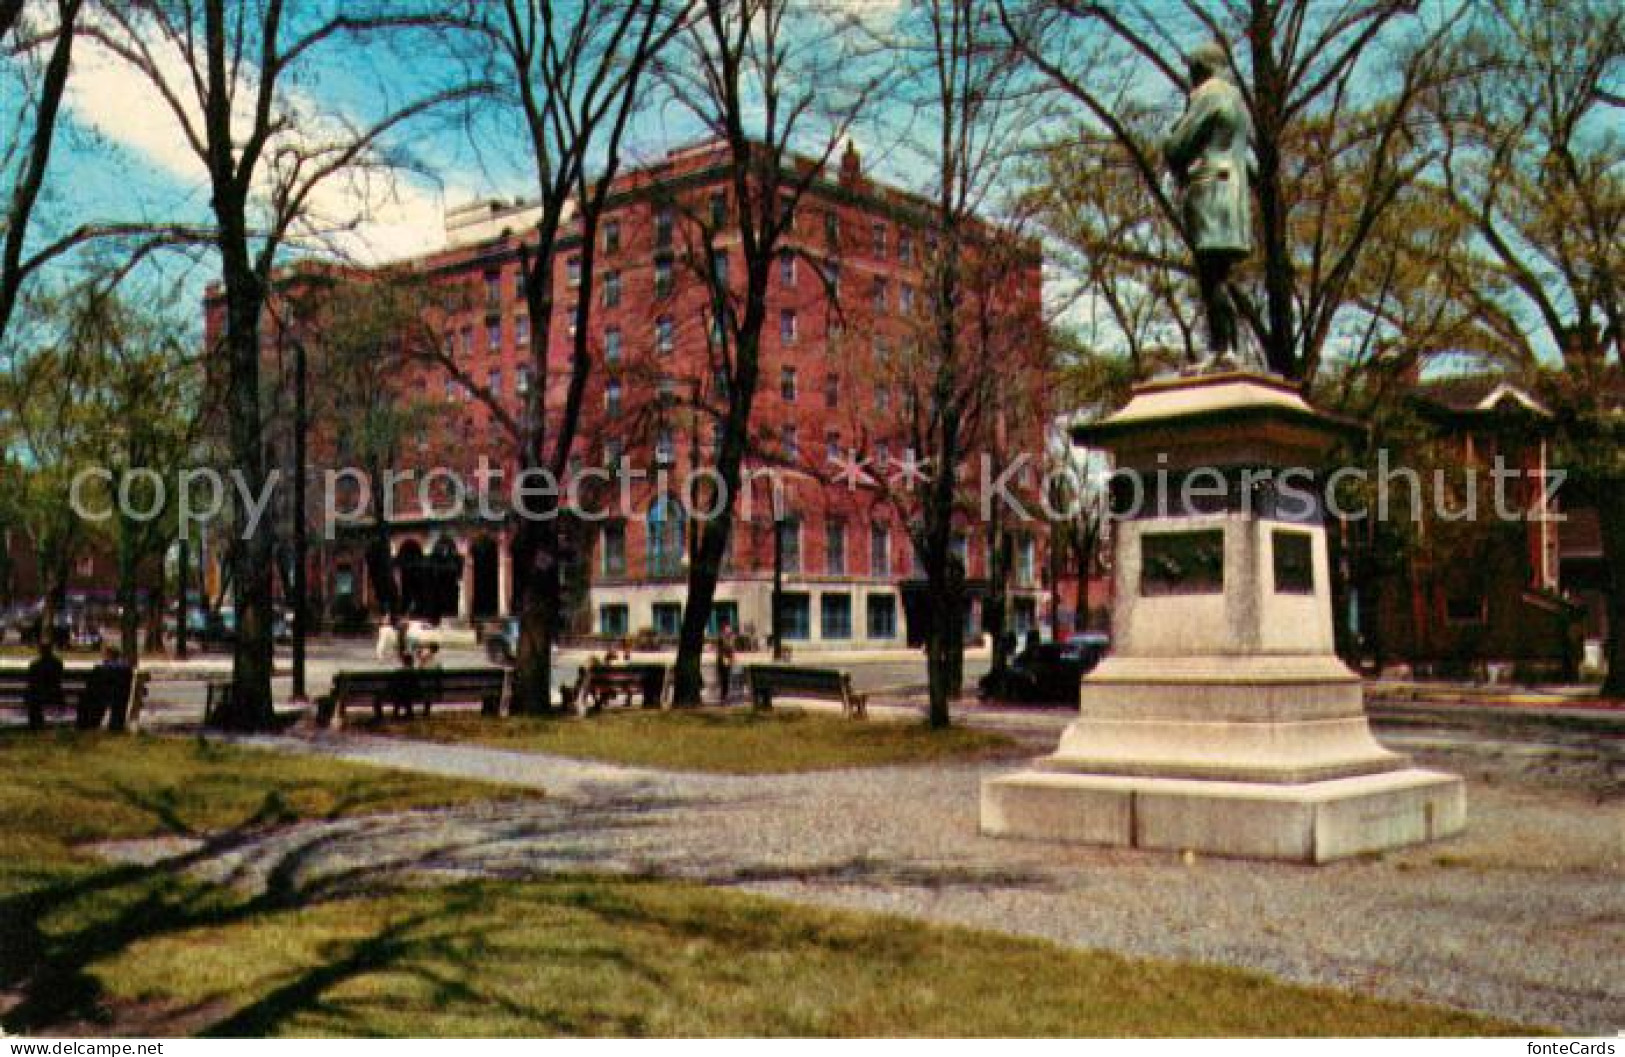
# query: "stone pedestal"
[[1222, 721]]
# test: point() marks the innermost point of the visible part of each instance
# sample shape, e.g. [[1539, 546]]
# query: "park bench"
[[601, 684], [409, 687], [75, 682], [827, 684]]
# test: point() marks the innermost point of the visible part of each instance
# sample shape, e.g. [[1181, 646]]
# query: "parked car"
[[1049, 671]]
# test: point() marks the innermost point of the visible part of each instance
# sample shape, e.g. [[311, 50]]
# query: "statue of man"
[[1209, 154]]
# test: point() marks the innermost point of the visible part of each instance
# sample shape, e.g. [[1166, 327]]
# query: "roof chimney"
[[851, 165]]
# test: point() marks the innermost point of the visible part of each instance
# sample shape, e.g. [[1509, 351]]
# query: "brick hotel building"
[[829, 387]]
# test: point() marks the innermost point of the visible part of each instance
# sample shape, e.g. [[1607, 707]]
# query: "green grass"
[[61, 789], [87, 947], [719, 741]]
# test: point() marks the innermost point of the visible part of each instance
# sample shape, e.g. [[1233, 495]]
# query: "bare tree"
[[961, 378], [1333, 91], [26, 156], [765, 79], [574, 75], [227, 72]]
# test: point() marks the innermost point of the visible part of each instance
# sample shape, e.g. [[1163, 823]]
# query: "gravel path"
[[1523, 917]]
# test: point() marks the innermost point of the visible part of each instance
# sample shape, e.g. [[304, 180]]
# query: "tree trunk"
[[250, 705], [1611, 521], [536, 571], [129, 616], [183, 601], [995, 614]]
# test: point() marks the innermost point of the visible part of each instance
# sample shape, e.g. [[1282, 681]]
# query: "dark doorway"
[[486, 601], [446, 579]]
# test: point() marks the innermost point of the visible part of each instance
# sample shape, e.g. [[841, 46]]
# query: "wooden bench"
[[75, 683], [406, 688], [827, 684], [601, 684]]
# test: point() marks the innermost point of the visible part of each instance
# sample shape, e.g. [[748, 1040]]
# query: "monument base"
[[1309, 822]]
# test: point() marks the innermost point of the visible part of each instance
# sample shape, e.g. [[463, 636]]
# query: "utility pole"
[[301, 544], [778, 584]]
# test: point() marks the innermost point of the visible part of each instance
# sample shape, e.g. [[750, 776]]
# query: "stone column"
[[504, 578], [465, 586]]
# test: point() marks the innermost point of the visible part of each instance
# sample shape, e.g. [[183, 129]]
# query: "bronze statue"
[[1209, 153]]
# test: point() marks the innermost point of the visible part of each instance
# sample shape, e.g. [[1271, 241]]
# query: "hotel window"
[[882, 617], [664, 339], [835, 547], [832, 276], [880, 294], [519, 283], [832, 390], [795, 616], [882, 455], [493, 288], [881, 352], [612, 400], [614, 537], [835, 613], [467, 340], [665, 447], [879, 551], [905, 298], [790, 543], [521, 330], [787, 384], [960, 545], [832, 446], [612, 346], [451, 389], [493, 333], [663, 277], [570, 318], [613, 450], [612, 289], [493, 382], [789, 442], [832, 230], [1026, 561], [666, 389], [719, 209], [905, 247], [787, 326], [663, 226], [612, 236], [668, 618], [612, 621], [719, 266], [572, 272], [883, 399], [787, 268], [878, 231], [664, 547], [521, 381]]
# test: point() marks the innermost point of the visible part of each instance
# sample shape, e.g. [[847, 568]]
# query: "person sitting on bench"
[[44, 689]]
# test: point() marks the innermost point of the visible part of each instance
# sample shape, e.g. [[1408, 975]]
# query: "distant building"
[[1485, 591], [846, 298]]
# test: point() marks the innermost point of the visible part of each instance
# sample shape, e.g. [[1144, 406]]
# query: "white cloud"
[[369, 216]]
